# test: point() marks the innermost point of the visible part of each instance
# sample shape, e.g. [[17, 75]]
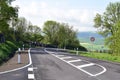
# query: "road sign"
[[92, 39]]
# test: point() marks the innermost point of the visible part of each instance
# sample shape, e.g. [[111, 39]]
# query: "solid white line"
[[86, 65], [31, 76], [74, 60], [104, 69], [30, 62], [65, 57]]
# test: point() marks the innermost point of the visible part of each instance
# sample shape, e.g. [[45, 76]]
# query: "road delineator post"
[[77, 52], [19, 56]]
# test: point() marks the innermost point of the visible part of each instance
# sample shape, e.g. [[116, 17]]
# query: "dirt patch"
[[13, 62]]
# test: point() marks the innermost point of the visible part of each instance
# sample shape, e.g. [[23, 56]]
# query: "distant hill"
[[84, 37]]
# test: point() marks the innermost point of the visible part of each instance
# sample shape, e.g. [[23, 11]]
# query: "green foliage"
[[115, 40], [102, 56], [108, 26], [60, 34], [105, 23], [7, 50], [7, 12]]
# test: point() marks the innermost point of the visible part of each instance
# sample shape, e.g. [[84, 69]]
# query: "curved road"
[[53, 64]]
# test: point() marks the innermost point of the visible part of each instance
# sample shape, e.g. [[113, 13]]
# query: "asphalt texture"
[[15, 75], [55, 65], [50, 67]]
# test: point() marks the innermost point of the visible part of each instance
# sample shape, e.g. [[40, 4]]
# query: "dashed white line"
[[74, 60], [86, 65], [31, 76], [30, 69]]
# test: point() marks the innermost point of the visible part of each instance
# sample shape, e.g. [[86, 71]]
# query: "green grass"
[[101, 56], [91, 46]]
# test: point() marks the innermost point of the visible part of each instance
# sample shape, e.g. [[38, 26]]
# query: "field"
[[94, 47]]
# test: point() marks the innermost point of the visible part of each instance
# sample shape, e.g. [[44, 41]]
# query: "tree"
[[105, 23], [50, 29], [7, 12], [60, 34], [115, 40], [108, 26]]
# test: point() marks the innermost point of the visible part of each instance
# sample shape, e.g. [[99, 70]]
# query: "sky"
[[76, 13]]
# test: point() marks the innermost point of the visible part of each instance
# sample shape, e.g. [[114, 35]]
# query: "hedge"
[[7, 50]]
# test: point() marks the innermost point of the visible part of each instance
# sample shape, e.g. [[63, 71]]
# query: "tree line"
[[18, 29]]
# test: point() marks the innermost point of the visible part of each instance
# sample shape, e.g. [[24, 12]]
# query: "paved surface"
[[16, 75], [60, 65], [63, 66]]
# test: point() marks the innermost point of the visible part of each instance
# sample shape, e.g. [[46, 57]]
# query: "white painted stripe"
[[65, 57], [60, 55], [31, 76], [30, 62], [30, 69], [74, 66], [74, 60], [86, 65], [103, 71]]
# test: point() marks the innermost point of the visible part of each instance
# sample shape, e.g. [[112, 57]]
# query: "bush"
[[7, 50]]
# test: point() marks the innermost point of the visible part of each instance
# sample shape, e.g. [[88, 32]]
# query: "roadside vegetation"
[[108, 25], [7, 50], [61, 35], [15, 29], [100, 56]]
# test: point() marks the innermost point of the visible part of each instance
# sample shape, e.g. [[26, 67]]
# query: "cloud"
[[38, 12]]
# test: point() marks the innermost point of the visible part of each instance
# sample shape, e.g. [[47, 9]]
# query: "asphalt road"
[[53, 64], [15, 75], [59, 65]]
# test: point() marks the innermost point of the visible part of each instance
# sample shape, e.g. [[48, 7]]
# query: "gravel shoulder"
[[13, 62]]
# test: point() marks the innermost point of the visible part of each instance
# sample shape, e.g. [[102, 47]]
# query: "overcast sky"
[[77, 13]]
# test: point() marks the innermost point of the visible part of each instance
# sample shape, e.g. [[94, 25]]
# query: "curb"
[[30, 62]]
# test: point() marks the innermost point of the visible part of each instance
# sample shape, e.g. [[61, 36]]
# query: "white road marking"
[[31, 76], [77, 60], [60, 55], [104, 69], [66, 57], [30, 62], [86, 65], [30, 69]]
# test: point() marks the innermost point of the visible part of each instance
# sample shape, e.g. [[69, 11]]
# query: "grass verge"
[[101, 56]]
